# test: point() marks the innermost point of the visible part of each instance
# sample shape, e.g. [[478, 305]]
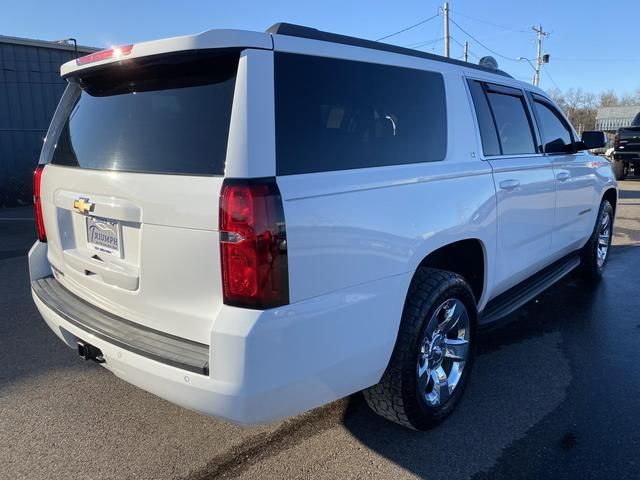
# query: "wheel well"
[[465, 257], [612, 197]]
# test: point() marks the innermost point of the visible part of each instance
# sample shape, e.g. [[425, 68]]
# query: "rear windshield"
[[165, 114]]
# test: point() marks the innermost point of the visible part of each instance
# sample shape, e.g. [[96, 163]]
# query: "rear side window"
[[490, 144], [512, 123], [556, 135], [337, 114], [166, 114]]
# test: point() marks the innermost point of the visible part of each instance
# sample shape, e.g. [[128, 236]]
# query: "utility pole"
[[541, 35], [466, 51], [446, 29]]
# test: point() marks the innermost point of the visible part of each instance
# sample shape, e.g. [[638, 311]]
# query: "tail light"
[[253, 244], [37, 203], [616, 141]]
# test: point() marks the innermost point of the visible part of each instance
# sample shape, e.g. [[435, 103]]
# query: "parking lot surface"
[[555, 393]]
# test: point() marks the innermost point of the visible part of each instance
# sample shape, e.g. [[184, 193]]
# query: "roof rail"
[[301, 31]]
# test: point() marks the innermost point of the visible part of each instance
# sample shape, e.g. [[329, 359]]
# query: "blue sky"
[[593, 44]]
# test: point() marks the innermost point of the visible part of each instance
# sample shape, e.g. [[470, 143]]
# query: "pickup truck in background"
[[626, 150]]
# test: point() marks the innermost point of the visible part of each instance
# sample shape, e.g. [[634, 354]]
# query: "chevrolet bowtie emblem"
[[83, 205]]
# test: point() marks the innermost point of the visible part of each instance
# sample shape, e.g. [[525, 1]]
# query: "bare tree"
[[628, 99], [573, 100], [589, 101], [557, 96], [581, 107], [608, 99]]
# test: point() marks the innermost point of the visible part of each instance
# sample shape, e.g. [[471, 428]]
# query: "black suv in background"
[[626, 149]]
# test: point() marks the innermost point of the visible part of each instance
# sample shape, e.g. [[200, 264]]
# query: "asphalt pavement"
[[555, 393]]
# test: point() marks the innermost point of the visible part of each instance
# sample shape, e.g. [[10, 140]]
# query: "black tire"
[[396, 397], [619, 170], [591, 267]]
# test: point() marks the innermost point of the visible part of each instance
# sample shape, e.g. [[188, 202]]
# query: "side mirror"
[[591, 140], [558, 146]]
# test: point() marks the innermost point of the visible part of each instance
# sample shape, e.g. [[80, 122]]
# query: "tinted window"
[[168, 115], [512, 122], [490, 145], [337, 114], [556, 135]]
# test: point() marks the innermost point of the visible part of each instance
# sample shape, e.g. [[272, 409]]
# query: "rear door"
[[575, 178], [524, 180], [136, 157]]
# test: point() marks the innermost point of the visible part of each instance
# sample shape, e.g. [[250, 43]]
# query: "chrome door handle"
[[563, 176], [509, 184]]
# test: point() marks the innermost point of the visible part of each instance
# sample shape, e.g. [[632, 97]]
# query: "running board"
[[524, 292]]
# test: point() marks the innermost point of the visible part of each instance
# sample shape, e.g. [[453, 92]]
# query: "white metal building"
[[611, 118]]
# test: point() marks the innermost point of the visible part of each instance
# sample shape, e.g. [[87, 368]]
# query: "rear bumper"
[[185, 388], [627, 156], [168, 349], [263, 365]]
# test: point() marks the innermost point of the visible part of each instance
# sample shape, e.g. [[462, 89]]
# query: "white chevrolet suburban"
[[251, 225]]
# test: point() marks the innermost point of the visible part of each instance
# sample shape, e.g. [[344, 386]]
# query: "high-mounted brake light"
[[253, 244], [115, 52], [37, 203]]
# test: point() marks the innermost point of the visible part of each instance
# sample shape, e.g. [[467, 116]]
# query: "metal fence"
[[613, 123], [30, 88], [610, 119]]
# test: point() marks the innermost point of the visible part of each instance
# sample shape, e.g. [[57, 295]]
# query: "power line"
[[408, 28], [462, 45], [550, 77], [429, 42], [413, 45], [480, 43], [490, 23], [541, 35], [613, 60], [474, 55]]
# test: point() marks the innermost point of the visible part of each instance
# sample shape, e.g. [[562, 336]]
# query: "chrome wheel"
[[604, 239], [443, 353]]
